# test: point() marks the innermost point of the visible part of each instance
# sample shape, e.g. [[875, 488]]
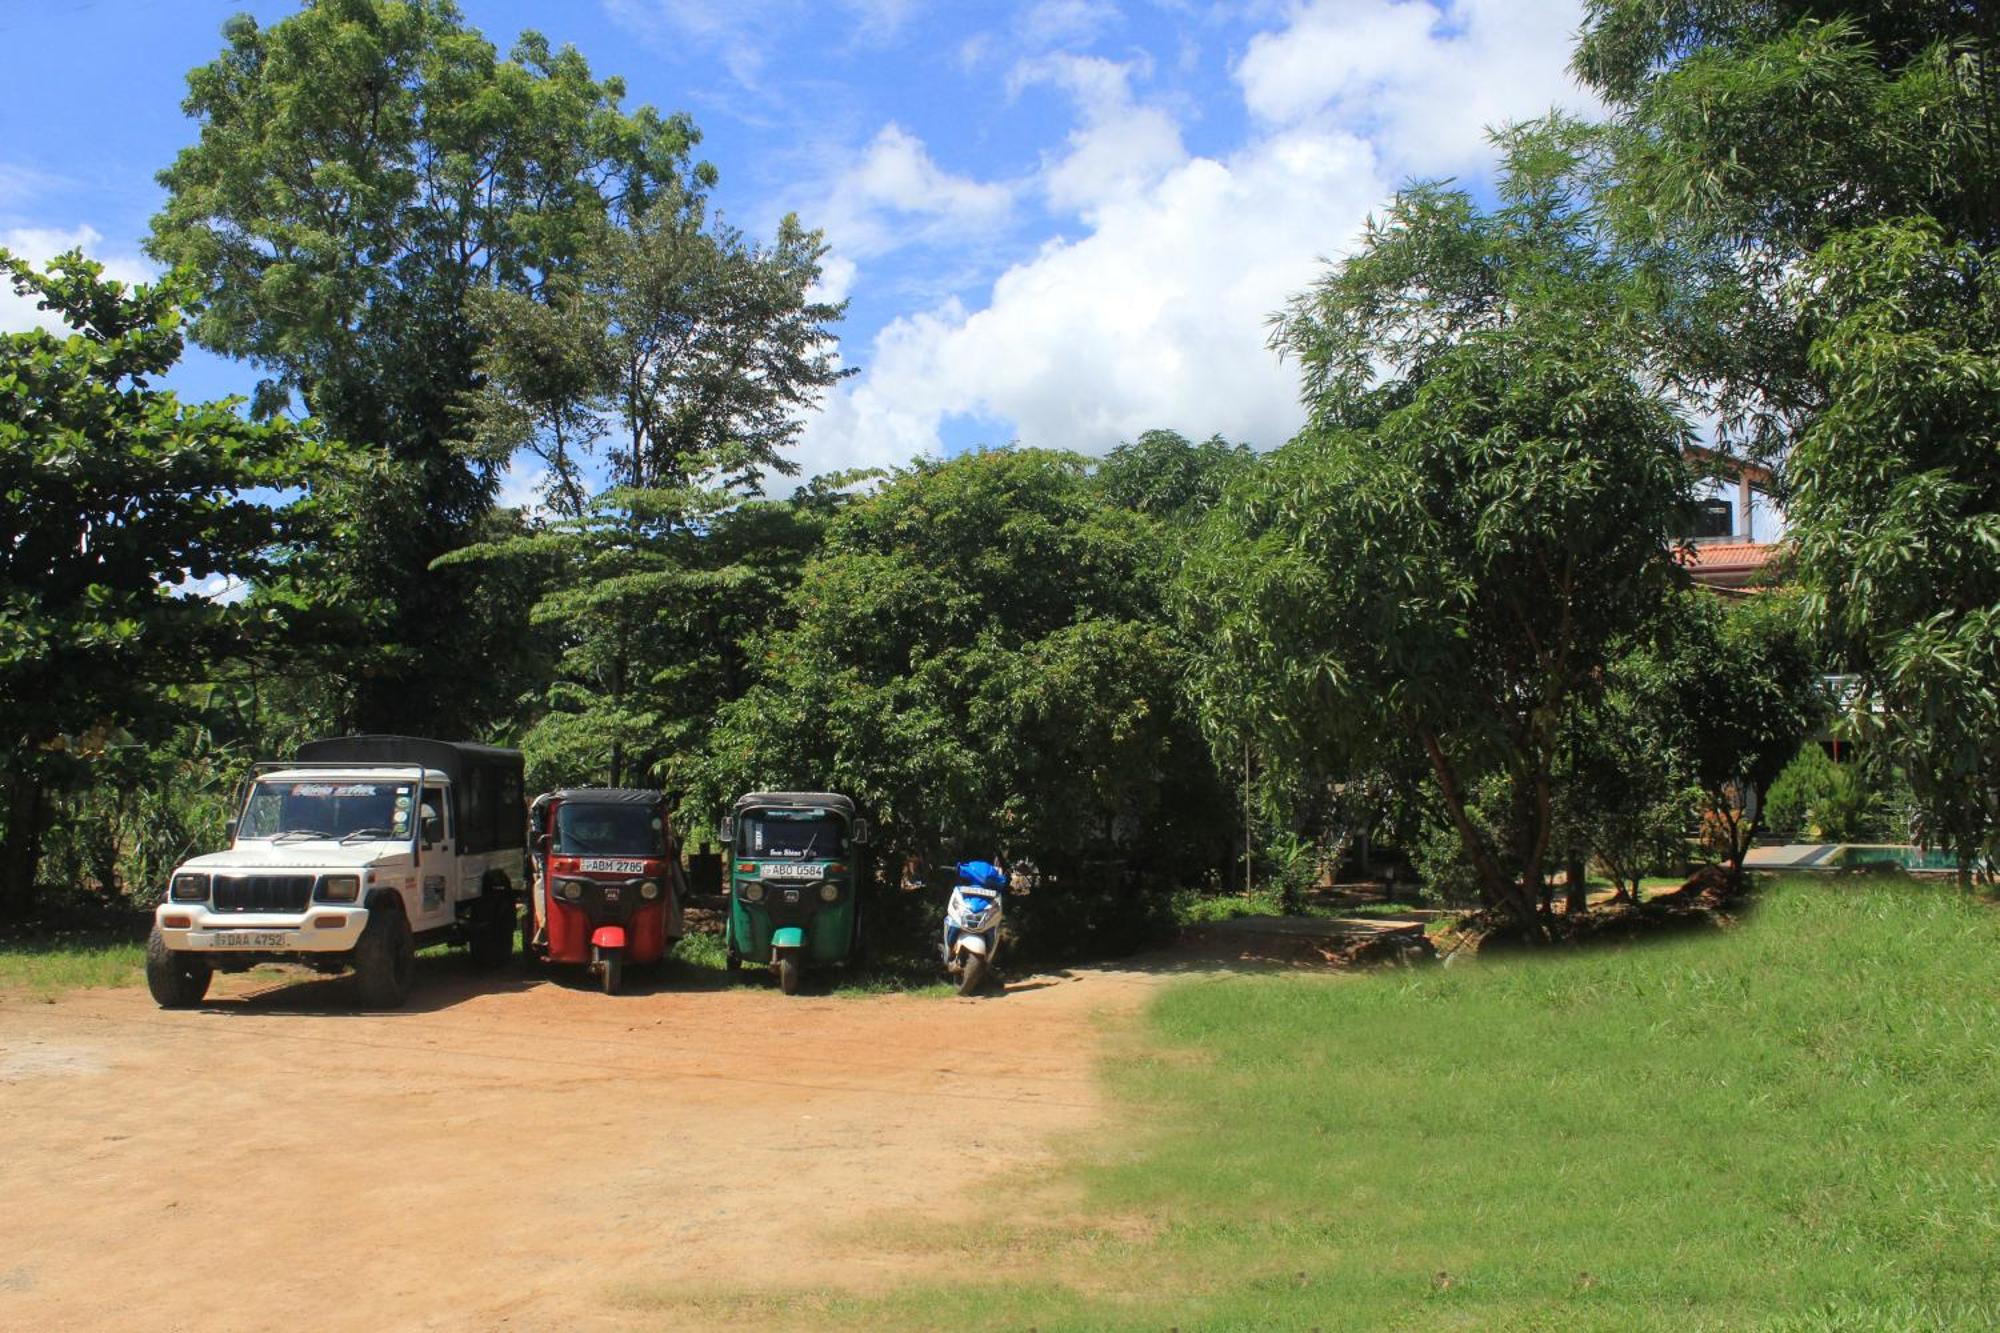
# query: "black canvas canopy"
[[486, 781]]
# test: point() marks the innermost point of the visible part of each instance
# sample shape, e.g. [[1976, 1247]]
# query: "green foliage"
[[119, 502], [977, 657], [1731, 689], [700, 348], [362, 170], [1445, 560], [648, 598], [1897, 512]]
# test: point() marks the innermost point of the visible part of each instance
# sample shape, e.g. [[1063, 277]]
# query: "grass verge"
[[1787, 1125], [47, 967]]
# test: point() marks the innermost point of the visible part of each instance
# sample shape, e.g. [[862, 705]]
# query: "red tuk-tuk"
[[608, 888]]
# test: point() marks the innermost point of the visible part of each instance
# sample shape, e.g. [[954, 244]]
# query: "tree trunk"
[[1578, 901], [21, 846], [1500, 889]]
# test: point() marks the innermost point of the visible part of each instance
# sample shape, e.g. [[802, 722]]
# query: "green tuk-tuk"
[[794, 881]]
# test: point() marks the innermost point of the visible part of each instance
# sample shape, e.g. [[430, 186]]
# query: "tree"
[[1840, 161], [362, 169], [1747, 136], [1897, 512], [119, 503], [1476, 515], [978, 657], [1162, 473], [682, 361]]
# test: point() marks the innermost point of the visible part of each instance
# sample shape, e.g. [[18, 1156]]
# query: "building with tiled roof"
[[1739, 525]]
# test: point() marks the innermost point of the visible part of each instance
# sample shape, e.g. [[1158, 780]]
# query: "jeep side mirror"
[[861, 833], [433, 827], [229, 830]]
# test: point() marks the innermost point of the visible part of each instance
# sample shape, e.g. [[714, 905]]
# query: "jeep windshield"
[[331, 808], [585, 828], [797, 834]]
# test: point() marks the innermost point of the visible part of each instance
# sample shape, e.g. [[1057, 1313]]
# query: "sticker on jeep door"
[[613, 865]]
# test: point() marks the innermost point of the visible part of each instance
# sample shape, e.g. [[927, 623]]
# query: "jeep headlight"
[[190, 888], [649, 890], [753, 891], [829, 891], [338, 888]]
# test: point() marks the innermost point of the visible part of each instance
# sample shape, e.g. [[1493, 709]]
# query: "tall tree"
[[1844, 158], [1476, 515], [677, 368], [362, 169], [118, 504]]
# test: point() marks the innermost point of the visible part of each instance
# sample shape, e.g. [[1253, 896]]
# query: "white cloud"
[[1066, 22], [40, 245], [1423, 78], [741, 33], [1121, 147], [893, 194], [1156, 312]]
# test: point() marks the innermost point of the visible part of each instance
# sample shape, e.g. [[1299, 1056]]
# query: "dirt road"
[[508, 1152]]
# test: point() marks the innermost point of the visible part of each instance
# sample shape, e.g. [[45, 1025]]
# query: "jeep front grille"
[[262, 893]]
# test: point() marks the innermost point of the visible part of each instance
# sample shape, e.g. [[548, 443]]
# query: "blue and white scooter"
[[972, 924]]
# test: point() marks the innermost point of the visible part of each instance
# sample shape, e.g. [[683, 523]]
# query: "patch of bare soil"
[[510, 1151]]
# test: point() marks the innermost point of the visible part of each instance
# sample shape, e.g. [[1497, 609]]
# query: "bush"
[[1817, 798]]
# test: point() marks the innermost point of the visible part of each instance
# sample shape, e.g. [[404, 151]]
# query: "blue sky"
[[1062, 222]]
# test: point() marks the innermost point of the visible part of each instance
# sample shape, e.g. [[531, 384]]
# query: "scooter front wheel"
[[972, 974], [788, 974]]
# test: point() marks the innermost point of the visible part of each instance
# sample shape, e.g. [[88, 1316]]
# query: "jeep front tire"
[[385, 960], [177, 980]]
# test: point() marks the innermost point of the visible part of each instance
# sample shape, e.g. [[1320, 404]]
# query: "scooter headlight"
[[753, 891], [649, 890], [828, 892]]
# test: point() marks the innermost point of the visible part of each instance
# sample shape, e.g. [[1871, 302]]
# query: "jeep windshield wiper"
[[301, 833], [352, 834]]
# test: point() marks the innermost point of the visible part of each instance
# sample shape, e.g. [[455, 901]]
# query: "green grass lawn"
[[70, 962], [1791, 1124]]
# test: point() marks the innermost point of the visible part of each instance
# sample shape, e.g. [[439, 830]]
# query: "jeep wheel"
[[177, 980], [492, 933], [385, 961]]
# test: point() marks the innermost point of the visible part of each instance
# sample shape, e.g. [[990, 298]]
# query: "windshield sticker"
[[329, 789]]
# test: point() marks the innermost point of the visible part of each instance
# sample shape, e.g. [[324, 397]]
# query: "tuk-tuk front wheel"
[[610, 970], [788, 973]]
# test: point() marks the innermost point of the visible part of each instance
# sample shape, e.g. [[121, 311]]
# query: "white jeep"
[[357, 854]]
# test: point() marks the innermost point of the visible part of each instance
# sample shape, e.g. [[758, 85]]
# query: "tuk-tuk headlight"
[[190, 888], [649, 890], [753, 891], [571, 889], [828, 892], [339, 888]]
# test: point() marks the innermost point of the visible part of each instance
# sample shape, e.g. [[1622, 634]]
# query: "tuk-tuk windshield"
[[793, 833], [586, 828]]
